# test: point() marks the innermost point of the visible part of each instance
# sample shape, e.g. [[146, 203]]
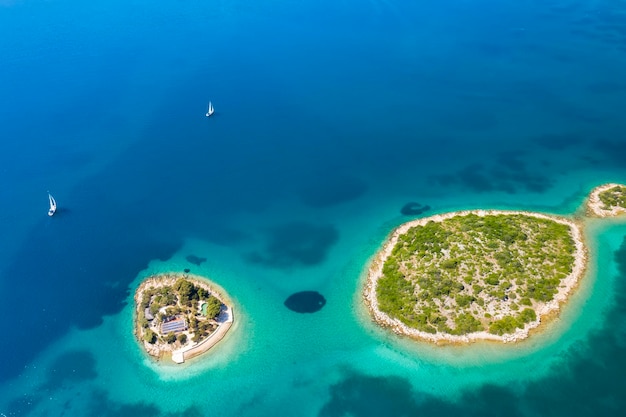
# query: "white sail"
[[53, 205], [211, 110]]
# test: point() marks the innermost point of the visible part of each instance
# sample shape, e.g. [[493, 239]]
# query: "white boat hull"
[[53, 205]]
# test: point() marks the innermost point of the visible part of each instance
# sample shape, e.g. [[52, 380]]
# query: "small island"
[[470, 275], [607, 200], [181, 316]]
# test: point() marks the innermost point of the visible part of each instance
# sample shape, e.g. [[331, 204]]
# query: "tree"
[[213, 308], [170, 338], [182, 338], [149, 336], [202, 293], [154, 308], [193, 323]]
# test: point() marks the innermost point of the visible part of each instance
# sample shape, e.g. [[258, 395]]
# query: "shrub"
[[527, 315], [492, 279], [466, 323], [505, 325]]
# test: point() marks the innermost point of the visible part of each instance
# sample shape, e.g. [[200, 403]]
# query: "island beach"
[[197, 332], [375, 272]]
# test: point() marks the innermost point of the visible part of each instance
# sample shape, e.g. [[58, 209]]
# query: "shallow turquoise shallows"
[[335, 122]]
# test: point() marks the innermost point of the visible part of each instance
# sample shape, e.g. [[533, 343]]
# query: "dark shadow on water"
[[414, 209], [196, 260], [305, 302], [61, 212], [590, 382], [296, 244]]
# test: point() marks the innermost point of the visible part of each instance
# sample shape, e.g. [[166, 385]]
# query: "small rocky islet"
[[180, 316], [607, 200]]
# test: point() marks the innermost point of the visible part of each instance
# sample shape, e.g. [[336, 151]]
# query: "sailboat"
[[53, 205], [210, 111]]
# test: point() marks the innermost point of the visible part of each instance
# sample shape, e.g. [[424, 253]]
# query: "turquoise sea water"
[[330, 117]]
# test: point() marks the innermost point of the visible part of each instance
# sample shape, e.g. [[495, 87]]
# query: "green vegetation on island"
[[177, 312], [613, 197], [471, 273]]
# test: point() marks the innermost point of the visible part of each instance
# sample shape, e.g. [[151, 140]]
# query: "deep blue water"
[[330, 118]]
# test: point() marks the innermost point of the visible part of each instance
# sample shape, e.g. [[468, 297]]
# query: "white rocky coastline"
[[567, 284], [595, 206]]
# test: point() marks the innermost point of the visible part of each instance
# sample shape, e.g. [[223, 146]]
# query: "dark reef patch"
[[305, 302], [296, 244], [101, 405], [511, 160], [507, 174], [70, 367], [413, 209], [196, 260], [363, 395]]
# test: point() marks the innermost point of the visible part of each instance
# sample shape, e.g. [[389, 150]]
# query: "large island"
[[472, 275], [180, 316]]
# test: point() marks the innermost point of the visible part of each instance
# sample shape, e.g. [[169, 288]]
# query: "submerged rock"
[[196, 260], [305, 302], [413, 209]]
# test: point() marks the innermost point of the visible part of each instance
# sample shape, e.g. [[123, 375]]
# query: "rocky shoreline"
[[594, 206]]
